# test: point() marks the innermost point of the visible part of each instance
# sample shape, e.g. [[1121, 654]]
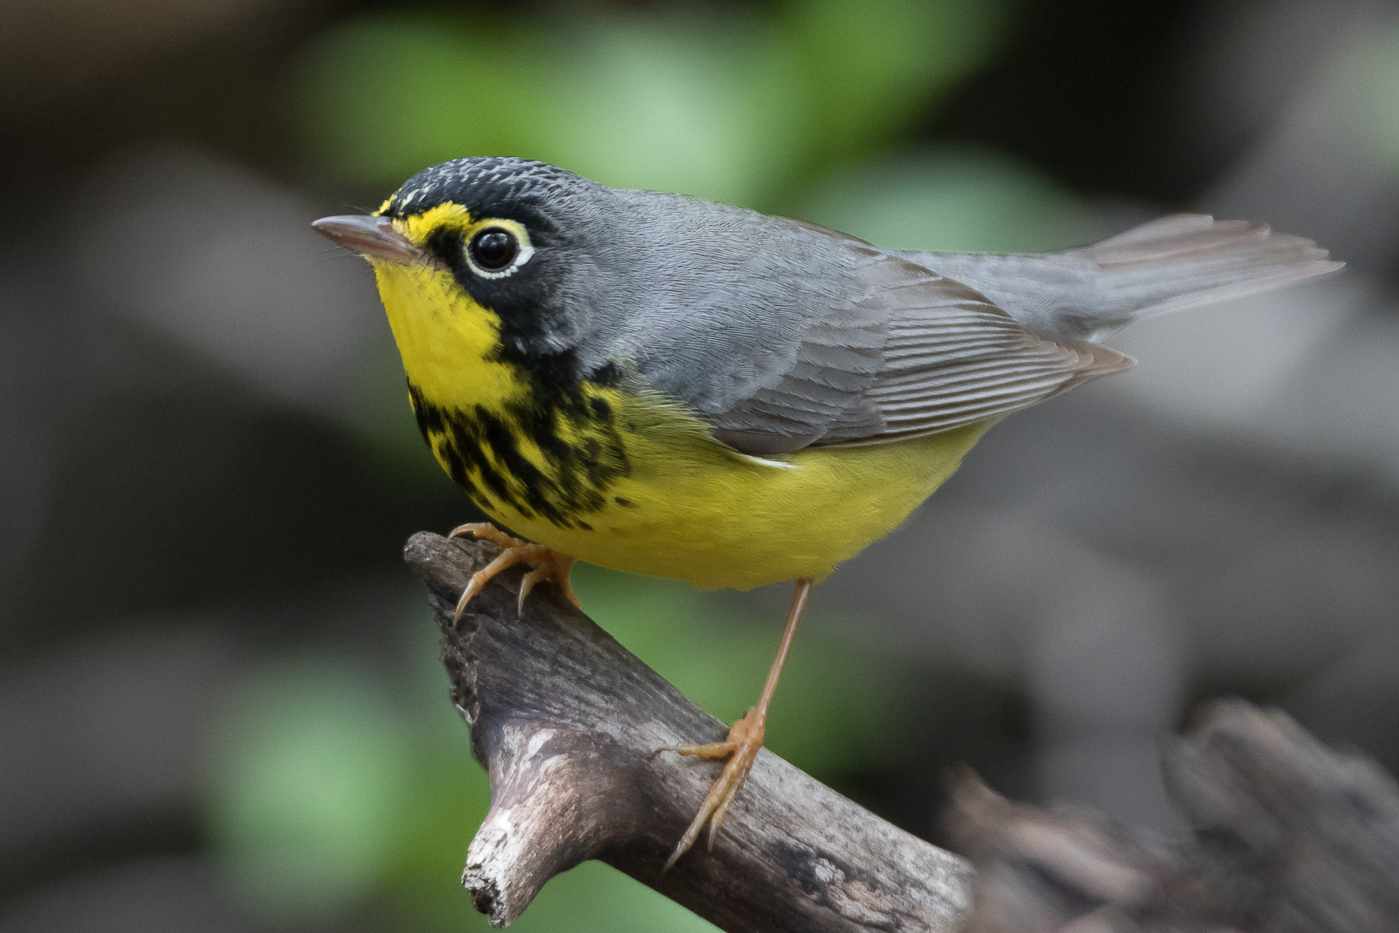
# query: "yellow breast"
[[691, 510], [633, 482]]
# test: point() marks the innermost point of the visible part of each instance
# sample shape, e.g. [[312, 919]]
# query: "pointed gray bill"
[[371, 237]]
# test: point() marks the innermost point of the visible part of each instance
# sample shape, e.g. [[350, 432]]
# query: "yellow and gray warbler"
[[665, 385]]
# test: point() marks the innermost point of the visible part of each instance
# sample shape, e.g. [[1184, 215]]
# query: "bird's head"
[[501, 240]]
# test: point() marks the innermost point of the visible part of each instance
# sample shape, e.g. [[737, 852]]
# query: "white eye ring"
[[523, 249]]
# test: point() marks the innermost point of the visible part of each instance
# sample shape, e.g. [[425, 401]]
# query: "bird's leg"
[[545, 564], [741, 747]]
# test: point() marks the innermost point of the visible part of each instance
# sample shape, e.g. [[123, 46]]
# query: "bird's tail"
[[1186, 260], [1179, 261]]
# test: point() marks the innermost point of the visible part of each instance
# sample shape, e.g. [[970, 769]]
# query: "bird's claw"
[[545, 564], [741, 750]]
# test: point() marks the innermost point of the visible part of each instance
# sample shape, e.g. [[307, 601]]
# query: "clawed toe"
[[545, 564], [742, 745], [741, 750]]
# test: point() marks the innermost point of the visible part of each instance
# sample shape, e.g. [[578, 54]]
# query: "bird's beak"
[[372, 237]]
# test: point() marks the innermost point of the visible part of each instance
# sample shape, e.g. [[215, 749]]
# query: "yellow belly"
[[691, 510], [662, 497]]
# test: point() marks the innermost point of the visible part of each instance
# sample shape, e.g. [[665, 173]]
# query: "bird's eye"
[[498, 248], [493, 249]]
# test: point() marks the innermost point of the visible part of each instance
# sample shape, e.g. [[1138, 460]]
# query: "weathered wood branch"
[[1286, 836], [567, 722]]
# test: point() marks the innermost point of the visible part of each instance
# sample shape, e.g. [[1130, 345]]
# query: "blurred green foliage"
[[311, 791], [951, 199], [734, 105], [335, 796]]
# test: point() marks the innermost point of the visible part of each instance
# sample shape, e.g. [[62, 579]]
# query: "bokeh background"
[[220, 702]]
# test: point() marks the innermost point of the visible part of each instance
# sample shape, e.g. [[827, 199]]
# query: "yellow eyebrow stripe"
[[454, 217], [444, 216]]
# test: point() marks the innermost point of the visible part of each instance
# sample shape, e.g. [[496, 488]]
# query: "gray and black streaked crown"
[[487, 186]]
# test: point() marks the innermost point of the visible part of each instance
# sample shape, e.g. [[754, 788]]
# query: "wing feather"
[[916, 353]]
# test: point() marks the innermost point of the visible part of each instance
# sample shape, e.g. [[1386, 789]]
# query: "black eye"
[[494, 248]]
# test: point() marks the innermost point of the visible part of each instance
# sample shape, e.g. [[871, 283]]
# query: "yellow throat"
[[631, 480]]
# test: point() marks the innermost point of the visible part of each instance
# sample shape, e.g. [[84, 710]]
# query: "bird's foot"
[[741, 750], [545, 564]]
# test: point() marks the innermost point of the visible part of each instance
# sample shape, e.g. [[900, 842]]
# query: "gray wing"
[[913, 353], [784, 335], [966, 337]]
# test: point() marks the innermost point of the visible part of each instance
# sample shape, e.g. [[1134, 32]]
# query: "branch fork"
[[1286, 835], [568, 724]]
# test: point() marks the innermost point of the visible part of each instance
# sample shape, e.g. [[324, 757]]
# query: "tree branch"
[[567, 721], [1285, 835]]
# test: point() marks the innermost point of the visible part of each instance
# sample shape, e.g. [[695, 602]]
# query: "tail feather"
[[1186, 260], [1176, 262]]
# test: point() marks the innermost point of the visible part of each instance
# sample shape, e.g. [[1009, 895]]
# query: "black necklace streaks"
[[555, 458]]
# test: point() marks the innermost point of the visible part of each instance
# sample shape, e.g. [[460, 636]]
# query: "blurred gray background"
[[222, 708]]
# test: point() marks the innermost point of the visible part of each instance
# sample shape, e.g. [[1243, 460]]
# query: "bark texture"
[[1286, 835], [567, 722]]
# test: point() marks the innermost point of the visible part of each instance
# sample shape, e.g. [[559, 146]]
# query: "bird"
[[667, 385]]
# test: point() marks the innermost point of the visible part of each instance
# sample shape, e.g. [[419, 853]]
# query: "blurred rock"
[[1292, 835], [1043, 872]]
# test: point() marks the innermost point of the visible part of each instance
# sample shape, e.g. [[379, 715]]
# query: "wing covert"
[[916, 353]]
